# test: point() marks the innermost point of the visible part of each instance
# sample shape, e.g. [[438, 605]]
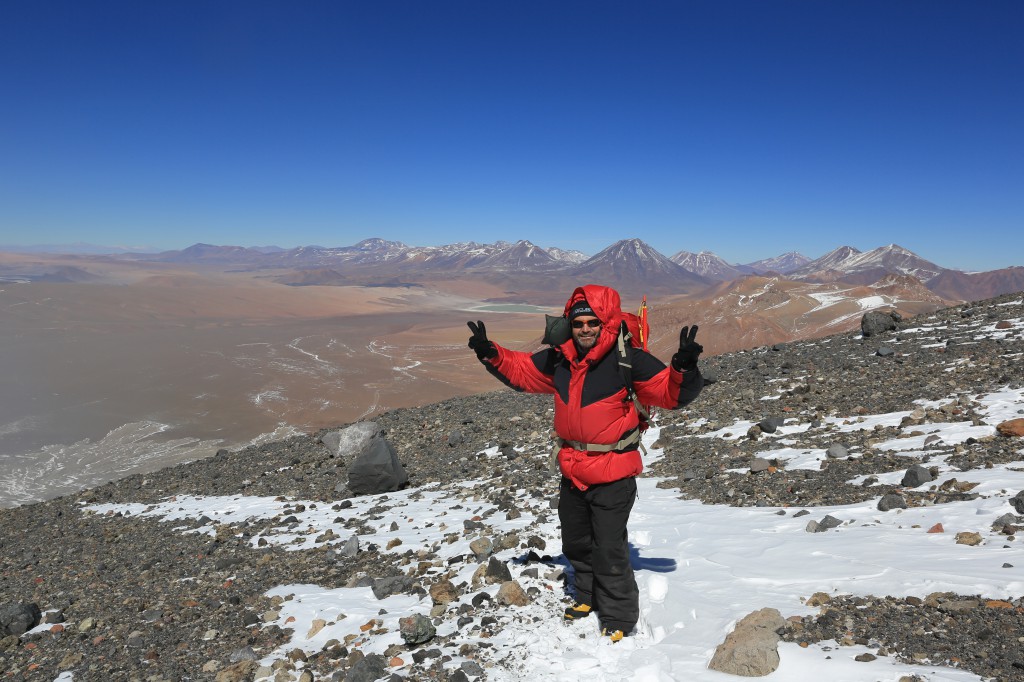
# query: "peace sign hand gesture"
[[685, 358], [479, 342]]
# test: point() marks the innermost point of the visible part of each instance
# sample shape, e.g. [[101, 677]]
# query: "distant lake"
[[512, 308]]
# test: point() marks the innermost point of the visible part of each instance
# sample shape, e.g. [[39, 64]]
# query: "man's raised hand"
[[689, 350], [479, 343]]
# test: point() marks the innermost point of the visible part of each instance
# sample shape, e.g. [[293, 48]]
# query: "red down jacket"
[[590, 395]]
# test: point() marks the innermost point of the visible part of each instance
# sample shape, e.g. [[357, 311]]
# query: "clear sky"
[[747, 128]]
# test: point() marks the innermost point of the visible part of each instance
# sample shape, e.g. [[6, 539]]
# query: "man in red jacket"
[[599, 430]]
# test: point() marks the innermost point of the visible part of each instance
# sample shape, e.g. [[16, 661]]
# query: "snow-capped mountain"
[[784, 264], [567, 255], [850, 265], [709, 265], [378, 246], [634, 262], [831, 261], [893, 258], [521, 255]]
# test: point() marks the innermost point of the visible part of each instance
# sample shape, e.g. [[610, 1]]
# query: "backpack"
[[633, 333]]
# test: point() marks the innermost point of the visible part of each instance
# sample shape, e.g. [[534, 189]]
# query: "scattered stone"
[[369, 668], [759, 465], [416, 629], [237, 672], [316, 626], [511, 594], [376, 469], [17, 619], [70, 660], [837, 451], [771, 424], [915, 476], [877, 322], [443, 592], [472, 668], [819, 599], [350, 548], [385, 587], [482, 548], [751, 649], [891, 501], [827, 523], [1013, 428], [968, 538], [350, 441], [497, 571]]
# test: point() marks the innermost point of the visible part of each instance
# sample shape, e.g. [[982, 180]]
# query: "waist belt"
[[626, 443]]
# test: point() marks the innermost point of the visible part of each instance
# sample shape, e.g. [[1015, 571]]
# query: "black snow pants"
[[595, 542]]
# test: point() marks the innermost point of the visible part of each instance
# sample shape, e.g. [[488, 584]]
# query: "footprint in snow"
[[640, 538], [657, 588]]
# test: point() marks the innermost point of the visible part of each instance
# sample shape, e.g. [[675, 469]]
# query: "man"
[[598, 425]]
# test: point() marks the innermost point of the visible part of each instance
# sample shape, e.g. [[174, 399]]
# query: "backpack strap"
[[625, 357]]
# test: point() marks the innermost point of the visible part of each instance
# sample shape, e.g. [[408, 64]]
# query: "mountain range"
[[631, 265]]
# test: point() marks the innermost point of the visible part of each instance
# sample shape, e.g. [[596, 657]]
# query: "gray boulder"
[[376, 469], [891, 501], [751, 649], [1018, 502], [837, 451], [827, 523], [370, 668], [771, 424], [385, 587], [17, 619], [877, 322], [915, 476], [759, 465], [497, 571], [350, 441], [416, 629], [351, 547]]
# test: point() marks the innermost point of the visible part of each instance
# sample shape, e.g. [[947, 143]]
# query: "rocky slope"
[[144, 601]]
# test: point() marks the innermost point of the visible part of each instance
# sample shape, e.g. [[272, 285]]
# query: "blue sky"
[[744, 128]]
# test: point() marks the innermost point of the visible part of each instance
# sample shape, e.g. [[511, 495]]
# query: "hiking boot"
[[612, 635], [577, 611]]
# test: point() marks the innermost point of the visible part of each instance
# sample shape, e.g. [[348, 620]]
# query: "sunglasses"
[[580, 324]]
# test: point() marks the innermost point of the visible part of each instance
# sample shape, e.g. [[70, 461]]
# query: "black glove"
[[689, 350], [478, 342]]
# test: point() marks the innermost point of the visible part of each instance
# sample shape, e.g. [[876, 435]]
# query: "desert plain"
[[220, 358]]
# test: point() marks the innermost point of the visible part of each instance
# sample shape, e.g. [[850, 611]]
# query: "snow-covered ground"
[[700, 568]]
